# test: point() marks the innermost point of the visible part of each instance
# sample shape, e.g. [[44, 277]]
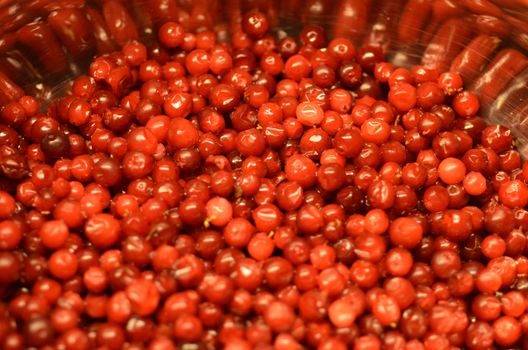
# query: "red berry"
[[143, 296], [102, 230], [54, 234]]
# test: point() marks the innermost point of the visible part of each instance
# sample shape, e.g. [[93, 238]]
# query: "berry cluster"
[[266, 194]]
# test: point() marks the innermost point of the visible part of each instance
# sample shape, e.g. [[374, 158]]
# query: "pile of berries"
[[260, 194]]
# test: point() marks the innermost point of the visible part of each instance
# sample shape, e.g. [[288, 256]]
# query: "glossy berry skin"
[[474, 183], [513, 194], [143, 296], [406, 232], [255, 24], [171, 34], [309, 114], [451, 171], [301, 169], [63, 264], [102, 230], [342, 312], [507, 330], [403, 96], [11, 235], [219, 211], [466, 104], [182, 133], [54, 234], [279, 316]]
